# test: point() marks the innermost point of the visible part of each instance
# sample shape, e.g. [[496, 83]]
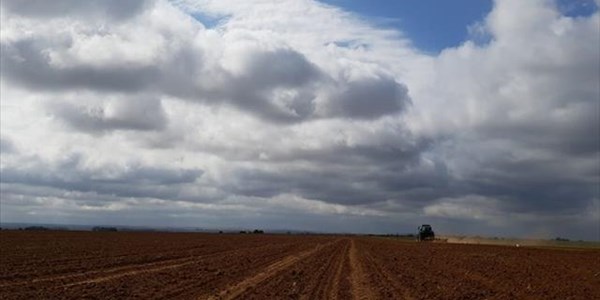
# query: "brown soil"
[[117, 265]]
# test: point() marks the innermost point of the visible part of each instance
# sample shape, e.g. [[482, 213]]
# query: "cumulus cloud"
[[299, 113], [529, 120], [185, 60]]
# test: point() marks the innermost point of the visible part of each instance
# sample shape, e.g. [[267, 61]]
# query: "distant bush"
[[100, 228], [256, 231], [559, 239], [243, 231], [36, 228]]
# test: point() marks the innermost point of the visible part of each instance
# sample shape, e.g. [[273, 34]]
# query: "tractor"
[[425, 233]]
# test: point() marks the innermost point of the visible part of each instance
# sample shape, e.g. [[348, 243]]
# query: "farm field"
[[147, 265]]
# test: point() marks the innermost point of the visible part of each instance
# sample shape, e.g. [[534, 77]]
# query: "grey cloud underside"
[[135, 181], [6, 146], [351, 185], [266, 72], [367, 98], [522, 187], [111, 9], [370, 98], [141, 114], [25, 63]]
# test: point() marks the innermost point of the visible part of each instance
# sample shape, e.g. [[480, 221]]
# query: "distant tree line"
[[402, 236], [36, 228], [256, 231], [104, 229]]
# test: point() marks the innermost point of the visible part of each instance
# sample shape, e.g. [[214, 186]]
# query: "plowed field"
[[117, 265]]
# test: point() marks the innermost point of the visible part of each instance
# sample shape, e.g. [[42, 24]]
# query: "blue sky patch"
[[577, 8], [209, 21], [431, 25]]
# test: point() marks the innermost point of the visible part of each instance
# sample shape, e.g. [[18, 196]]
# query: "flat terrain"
[[116, 265]]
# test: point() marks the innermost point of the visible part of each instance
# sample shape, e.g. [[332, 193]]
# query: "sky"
[[478, 117], [430, 25]]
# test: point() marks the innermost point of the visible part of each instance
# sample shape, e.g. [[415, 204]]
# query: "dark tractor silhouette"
[[425, 233]]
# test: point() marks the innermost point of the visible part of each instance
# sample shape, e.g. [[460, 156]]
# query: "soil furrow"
[[237, 289], [127, 270], [360, 282], [392, 285], [335, 289], [323, 281], [231, 268]]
